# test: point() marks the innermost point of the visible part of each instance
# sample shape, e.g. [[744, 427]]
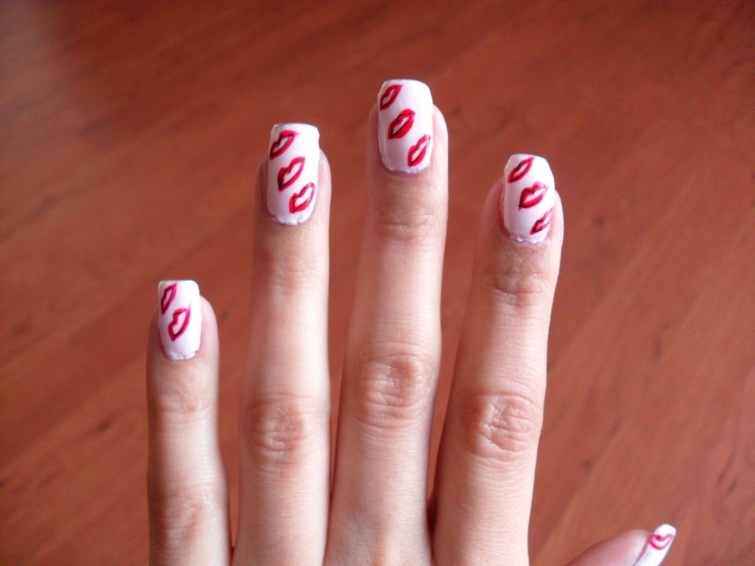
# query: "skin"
[[375, 511]]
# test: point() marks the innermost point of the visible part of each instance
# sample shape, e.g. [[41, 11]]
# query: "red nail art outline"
[[288, 175], [389, 96], [659, 542], [417, 152], [177, 315], [530, 196], [521, 169], [293, 206], [284, 141], [401, 124], [542, 223], [169, 293]]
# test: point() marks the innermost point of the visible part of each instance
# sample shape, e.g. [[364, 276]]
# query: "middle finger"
[[393, 353]]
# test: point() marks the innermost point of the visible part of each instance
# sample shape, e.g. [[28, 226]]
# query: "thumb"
[[632, 548]]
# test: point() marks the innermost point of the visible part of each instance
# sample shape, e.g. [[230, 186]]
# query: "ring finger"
[[487, 465]]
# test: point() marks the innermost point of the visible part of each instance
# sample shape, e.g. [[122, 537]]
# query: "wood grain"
[[129, 139]]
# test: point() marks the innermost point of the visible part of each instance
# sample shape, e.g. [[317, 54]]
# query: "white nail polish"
[[405, 125], [529, 195], [657, 546], [292, 172], [180, 319]]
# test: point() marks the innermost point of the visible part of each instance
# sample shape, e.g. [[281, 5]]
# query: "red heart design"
[[660, 542], [521, 169], [181, 320], [542, 223], [169, 293], [284, 141], [530, 196], [288, 175], [401, 124], [389, 96], [301, 200], [418, 150]]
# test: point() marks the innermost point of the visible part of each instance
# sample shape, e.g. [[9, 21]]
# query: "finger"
[[393, 350], [188, 502], [285, 400], [487, 464], [632, 548]]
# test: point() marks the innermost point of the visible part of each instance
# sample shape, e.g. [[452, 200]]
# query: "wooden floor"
[[129, 139]]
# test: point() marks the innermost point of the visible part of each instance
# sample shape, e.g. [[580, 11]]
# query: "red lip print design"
[[301, 200], [168, 295], [389, 96], [542, 223], [288, 175], [530, 196], [401, 124], [660, 542], [521, 169], [179, 323], [284, 141], [417, 151]]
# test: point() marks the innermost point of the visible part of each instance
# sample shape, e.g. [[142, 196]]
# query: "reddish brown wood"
[[129, 139]]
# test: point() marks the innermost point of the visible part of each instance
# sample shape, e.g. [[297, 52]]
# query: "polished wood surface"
[[130, 135]]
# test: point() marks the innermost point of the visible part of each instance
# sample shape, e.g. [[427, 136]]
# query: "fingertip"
[[517, 271], [183, 329], [631, 548]]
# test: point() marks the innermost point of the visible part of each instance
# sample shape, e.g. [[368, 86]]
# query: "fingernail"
[[180, 320], [292, 172], [405, 125], [657, 546], [529, 195]]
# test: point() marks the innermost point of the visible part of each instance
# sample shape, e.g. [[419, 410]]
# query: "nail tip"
[[192, 285], [404, 82], [299, 125]]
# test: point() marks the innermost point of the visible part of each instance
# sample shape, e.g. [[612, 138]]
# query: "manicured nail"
[[529, 195], [180, 320], [405, 125], [292, 172], [657, 546]]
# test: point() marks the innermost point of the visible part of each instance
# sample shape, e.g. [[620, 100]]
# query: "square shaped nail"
[[292, 172], [405, 125], [528, 199], [180, 318]]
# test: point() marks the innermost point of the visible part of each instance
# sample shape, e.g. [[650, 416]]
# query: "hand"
[[375, 509]]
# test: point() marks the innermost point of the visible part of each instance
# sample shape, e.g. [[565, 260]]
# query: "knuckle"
[[394, 389], [501, 426], [521, 282], [186, 400], [293, 270], [281, 431], [183, 514], [413, 224]]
